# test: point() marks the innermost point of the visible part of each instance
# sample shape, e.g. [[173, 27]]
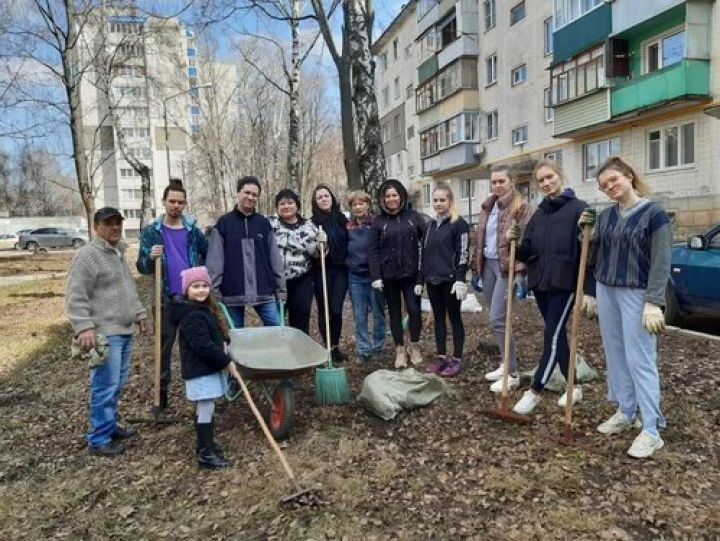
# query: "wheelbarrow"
[[274, 354]]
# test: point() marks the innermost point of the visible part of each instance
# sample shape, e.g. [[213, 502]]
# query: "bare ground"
[[442, 472]]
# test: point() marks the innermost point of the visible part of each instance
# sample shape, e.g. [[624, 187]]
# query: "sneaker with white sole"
[[577, 396], [645, 445], [513, 383], [618, 423], [495, 374], [527, 403]]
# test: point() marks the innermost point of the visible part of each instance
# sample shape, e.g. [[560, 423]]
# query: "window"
[[581, 75], [447, 30], [491, 70], [388, 166], [460, 128], [194, 109], [491, 124], [467, 188], [395, 49], [408, 92], [518, 75], [489, 14], [547, 106], [548, 35], [411, 172], [567, 11], [386, 96], [517, 13], [555, 155], [383, 62], [460, 74], [408, 51], [399, 162], [411, 132], [397, 129], [519, 136], [396, 87], [191, 52], [426, 194], [131, 195], [595, 153], [671, 146], [385, 132], [664, 51], [132, 213]]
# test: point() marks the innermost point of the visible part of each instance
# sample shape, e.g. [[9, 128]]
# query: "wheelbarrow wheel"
[[279, 412]]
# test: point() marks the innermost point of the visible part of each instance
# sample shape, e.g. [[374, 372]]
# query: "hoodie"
[[550, 245], [394, 246], [201, 342]]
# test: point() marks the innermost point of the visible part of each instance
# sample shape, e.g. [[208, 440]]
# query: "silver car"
[[52, 237]]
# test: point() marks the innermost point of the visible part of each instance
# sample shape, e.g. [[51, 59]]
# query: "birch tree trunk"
[[293, 153], [371, 157]]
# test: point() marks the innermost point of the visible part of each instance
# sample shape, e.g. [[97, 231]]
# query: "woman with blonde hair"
[[551, 249], [631, 247], [364, 298], [503, 208], [443, 269]]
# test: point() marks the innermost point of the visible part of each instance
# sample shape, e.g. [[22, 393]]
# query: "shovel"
[[503, 412]]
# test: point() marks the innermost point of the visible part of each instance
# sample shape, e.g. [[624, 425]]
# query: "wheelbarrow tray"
[[274, 352]]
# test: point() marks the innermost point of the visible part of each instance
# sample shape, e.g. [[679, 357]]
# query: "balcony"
[[454, 157], [465, 45], [582, 33], [574, 116], [688, 79]]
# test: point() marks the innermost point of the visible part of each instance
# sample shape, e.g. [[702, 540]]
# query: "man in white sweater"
[[101, 298]]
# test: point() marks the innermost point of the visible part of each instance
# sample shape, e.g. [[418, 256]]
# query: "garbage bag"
[[388, 392], [557, 384]]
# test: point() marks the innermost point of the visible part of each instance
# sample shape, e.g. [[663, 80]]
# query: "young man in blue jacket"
[[244, 261], [176, 239]]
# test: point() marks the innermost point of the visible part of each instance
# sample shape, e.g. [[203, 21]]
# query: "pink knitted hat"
[[194, 274]]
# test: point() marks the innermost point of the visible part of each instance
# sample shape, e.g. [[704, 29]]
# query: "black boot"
[[207, 457], [338, 356], [219, 451]]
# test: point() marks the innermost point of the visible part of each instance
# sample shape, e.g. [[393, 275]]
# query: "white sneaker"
[[495, 374], [617, 423], [527, 403], [645, 445], [577, 396], [513, 383]]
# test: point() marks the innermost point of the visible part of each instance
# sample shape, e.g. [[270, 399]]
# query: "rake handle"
[[508, 322], [326, 301], [158, 329], [584, 248]]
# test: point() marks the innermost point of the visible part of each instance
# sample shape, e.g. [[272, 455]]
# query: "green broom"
[[331, 386]]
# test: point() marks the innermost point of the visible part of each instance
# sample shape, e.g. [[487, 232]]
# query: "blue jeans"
[[364, 300], [630, 354], [268, 312], [106, 382]]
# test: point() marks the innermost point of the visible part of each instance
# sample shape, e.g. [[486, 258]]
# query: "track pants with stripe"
[[555, 307]]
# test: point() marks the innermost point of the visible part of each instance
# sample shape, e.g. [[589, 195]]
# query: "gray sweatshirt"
[[100, 292]]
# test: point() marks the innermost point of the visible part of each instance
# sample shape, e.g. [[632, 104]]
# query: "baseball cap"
[[105, 213]]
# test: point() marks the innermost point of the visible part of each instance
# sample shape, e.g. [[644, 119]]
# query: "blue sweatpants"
[[630, 354]]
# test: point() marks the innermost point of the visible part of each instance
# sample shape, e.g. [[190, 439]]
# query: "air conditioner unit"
[[479, 149]]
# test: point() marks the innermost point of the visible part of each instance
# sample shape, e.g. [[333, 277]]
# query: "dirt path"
[[442, 472]]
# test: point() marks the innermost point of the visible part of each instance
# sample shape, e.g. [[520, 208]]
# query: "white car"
[[9, 241]]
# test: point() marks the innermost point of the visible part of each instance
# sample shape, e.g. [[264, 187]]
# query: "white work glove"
[[653, 319], [321, 237], [418, 290], [460, 290], [377, 284], [589, 307]]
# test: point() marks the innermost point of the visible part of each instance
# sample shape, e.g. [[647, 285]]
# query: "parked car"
[[693, 287], [9, 241], [52, 237]]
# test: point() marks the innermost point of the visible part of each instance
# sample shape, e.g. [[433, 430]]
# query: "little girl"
[[203, 333], [443, 268]]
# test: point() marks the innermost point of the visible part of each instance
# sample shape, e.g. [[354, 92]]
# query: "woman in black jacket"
[[203, 333], [443, 269], [326, 213], [393, 259], [551, 249]]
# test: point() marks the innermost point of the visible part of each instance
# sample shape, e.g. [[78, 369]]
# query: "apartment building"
[[150, 86], [517, 120], [640, 79], [396, 78]]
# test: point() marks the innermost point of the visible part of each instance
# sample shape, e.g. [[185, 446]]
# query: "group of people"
[[383, 260]]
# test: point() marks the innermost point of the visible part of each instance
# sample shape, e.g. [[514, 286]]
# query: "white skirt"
[[206, 387]]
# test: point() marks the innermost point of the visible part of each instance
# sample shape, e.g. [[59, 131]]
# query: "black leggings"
[[393, 289], [337, 285], [445, 303], [299, 301]]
